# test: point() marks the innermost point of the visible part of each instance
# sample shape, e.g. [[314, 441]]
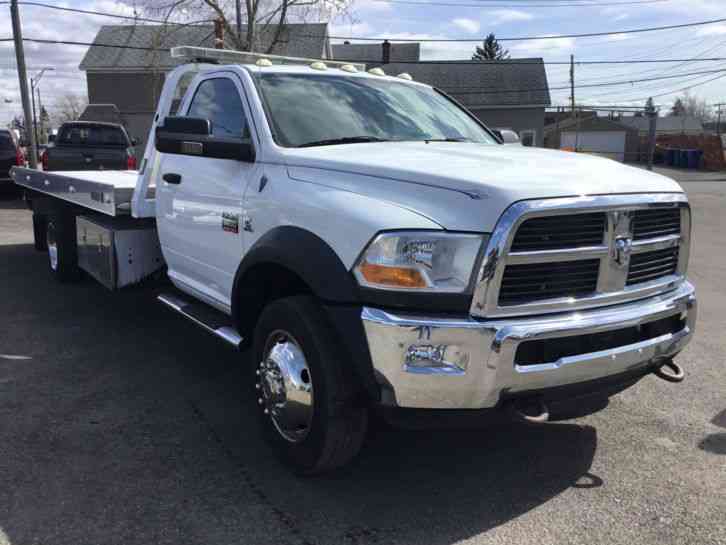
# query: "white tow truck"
[[379, 249]]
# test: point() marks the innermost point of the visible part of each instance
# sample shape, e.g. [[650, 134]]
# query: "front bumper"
[[473, 363]]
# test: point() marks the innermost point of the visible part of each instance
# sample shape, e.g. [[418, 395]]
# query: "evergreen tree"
[[490, 50]]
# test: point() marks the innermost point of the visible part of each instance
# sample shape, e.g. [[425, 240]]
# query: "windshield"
[[92, 135], [321, 110], [6, 141]]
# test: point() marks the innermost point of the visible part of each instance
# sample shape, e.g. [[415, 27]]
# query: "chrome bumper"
[[473, 361]]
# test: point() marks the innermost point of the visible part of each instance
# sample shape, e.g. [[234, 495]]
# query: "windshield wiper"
[[343, 140], [450, 139]]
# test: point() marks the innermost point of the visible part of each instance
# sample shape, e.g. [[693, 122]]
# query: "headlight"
[[419, 261]]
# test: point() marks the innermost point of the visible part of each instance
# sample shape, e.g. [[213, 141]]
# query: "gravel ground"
[[122, 423]]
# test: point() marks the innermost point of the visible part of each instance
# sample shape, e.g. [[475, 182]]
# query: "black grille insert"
[[652, 265], [538, 281], [559, 232], [656, 222], [551, 350]]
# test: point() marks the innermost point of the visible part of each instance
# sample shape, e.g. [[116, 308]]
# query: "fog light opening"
[[436, 358]]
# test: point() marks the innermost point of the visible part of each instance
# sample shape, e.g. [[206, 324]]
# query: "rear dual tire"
[[305, 393], [62, 250]]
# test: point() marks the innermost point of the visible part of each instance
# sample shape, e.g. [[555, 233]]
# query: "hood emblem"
[[622, 250]]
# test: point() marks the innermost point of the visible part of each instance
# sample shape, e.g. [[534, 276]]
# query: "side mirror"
[[134, 141], [509, 137], [193, 136]]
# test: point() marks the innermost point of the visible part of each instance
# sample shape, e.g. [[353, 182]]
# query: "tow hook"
[[522, 411], [676, 373]]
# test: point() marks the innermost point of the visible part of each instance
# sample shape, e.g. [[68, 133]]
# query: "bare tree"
[[691, 105], [70, 108], [263, 20]]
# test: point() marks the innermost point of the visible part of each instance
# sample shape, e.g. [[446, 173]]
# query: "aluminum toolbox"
[[118, 251]]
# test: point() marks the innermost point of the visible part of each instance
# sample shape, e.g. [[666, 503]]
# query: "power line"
[[381, 39], [512, 62], [529, 38], [106, 14], [456, 91], [527, 6]]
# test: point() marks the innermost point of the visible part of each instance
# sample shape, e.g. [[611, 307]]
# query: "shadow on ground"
[[124, 423]]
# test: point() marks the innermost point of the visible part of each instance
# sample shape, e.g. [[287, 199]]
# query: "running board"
[[209, 319]]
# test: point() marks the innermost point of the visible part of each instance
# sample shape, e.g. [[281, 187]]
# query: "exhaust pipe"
[[522, 411], [676, 373]]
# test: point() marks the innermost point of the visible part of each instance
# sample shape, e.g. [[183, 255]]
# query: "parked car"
[[379, 250], [90, 145], [10, 155]]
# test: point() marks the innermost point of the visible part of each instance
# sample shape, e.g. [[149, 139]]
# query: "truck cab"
[[378, 248]]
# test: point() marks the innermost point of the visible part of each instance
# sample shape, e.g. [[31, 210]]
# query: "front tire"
[[305, 393], [62, 248]]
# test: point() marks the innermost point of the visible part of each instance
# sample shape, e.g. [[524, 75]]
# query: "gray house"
[[132, 78], [511, 94]]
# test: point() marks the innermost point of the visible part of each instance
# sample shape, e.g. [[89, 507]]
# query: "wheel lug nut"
[[259, 401], [267, 411]]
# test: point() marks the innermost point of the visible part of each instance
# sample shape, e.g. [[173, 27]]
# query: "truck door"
[[200, 218]]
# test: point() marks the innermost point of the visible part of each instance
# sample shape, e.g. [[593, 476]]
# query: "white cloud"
[[499, 16], [553, 47], [467, 25], [711, 30]]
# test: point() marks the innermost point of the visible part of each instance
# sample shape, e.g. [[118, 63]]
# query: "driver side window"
[[218, 100]]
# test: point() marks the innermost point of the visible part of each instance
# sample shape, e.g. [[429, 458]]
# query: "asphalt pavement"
[[122, 423]]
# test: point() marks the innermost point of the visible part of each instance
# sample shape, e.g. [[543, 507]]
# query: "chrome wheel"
[[285, 386], [52, 244]]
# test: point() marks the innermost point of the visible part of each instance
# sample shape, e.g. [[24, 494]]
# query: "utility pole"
[[652, 115], [572, 84], [35, 119], [718, 119], [238, 7], [23, 80]]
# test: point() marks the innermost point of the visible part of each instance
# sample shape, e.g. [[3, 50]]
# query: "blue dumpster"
[[683, 158], [694, 158], [670, 157]]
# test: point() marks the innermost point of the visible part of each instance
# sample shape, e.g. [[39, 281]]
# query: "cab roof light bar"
[[226, 56]]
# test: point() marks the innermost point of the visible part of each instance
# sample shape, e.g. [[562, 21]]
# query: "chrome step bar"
[[225, 332]]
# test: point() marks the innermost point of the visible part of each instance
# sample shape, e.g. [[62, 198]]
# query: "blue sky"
[[373, 18]]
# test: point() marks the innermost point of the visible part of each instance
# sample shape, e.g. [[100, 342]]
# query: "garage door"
[[607, 143]]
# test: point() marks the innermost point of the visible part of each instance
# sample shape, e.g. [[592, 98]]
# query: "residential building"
[[594, 135], [132, 75]]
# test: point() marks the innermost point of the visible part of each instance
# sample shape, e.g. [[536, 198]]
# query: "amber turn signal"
[[400, 277]]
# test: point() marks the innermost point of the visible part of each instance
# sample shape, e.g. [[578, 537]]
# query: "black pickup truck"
[[90, 145]]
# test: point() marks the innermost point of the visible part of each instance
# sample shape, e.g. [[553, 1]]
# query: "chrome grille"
[[656, 222], [558, 232], [652, 265], [557, 255], [525, 283]]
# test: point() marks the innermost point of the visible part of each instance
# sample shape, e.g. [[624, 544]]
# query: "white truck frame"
[[333, 337]]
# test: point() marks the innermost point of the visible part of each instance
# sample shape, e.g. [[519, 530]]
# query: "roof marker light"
[[318, 65], [405, 75], [263, 62], [377, 72], [349, 68]]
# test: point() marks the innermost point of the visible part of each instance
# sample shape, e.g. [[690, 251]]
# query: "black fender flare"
[[320, 270]]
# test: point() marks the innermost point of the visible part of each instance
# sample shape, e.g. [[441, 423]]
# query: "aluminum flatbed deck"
[[105, 191]]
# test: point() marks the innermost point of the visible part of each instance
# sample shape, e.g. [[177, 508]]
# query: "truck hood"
[[466, 186]]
